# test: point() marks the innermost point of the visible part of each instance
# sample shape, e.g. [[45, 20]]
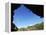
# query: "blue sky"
[[24, 17]]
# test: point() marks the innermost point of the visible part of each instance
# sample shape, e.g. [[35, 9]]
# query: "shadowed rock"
[[36, 9]]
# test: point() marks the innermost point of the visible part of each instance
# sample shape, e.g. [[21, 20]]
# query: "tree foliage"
[[38, 26]]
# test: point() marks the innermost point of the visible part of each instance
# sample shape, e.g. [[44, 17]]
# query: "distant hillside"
[[38, 26]]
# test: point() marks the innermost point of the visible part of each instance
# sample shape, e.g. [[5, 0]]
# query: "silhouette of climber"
[[36, 9]]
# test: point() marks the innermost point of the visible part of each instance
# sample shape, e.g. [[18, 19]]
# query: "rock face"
[[36, 9], [13, 26]]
